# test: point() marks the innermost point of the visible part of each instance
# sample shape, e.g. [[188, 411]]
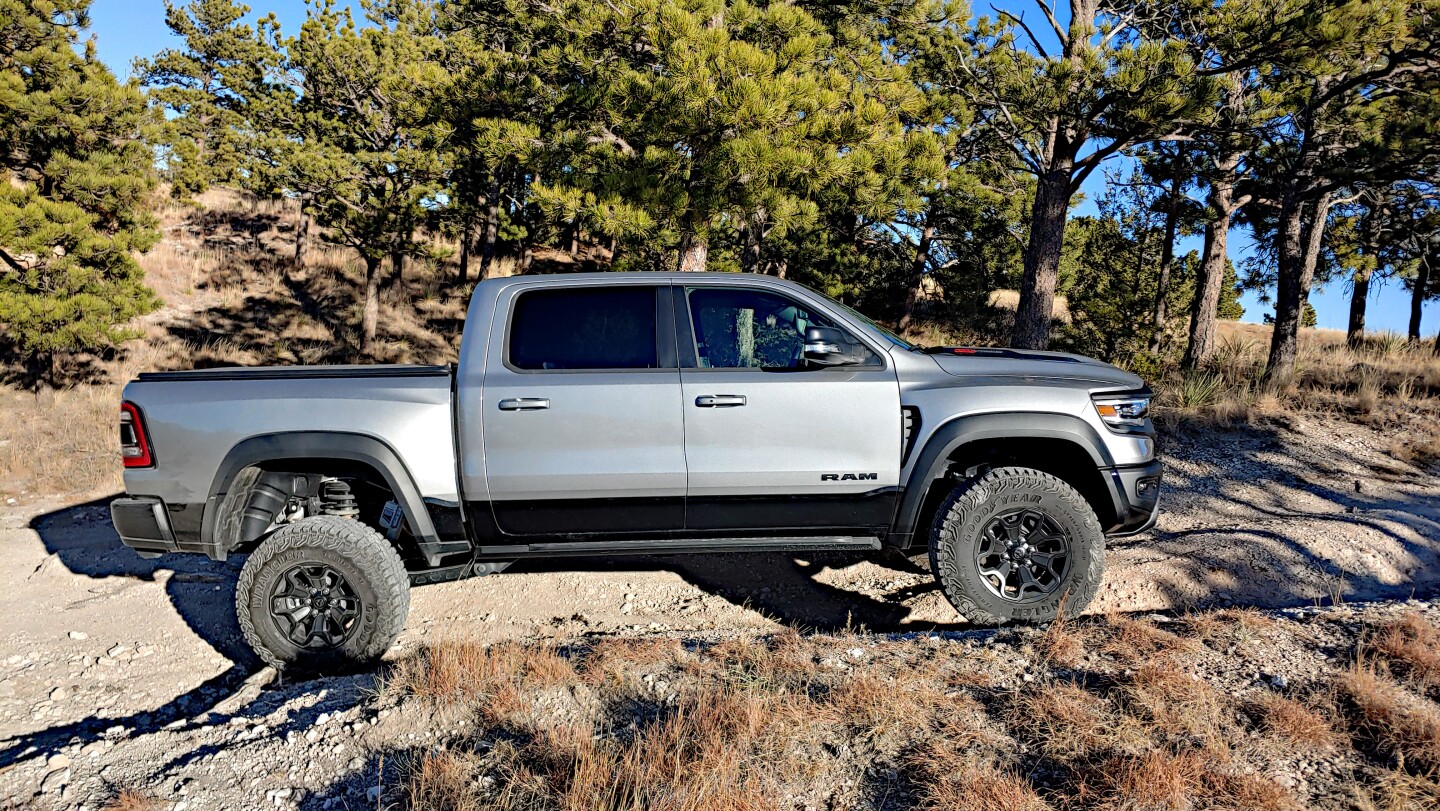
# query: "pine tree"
[[697, 120], [78, 178], [202, 89], [1111, 84], [1362, 108], [349, 124]]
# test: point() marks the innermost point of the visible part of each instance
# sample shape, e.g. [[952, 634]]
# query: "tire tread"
[[370, 551], [971, 495]]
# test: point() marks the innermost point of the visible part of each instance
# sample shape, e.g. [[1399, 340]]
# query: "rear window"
[[584, 328]]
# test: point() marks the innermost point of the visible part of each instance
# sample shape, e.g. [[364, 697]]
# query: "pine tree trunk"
[[302, 236], [467, 225], [370, 308], [916, 284], [1167, 260], [1300, 244], [1359, 297], [1203, 311], [750, 258], [1042, 257], [1417, 299], [397, 267], [694, 252], [492, 229]]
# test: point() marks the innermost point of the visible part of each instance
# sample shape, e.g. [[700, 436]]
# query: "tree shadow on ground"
[[83, 540]]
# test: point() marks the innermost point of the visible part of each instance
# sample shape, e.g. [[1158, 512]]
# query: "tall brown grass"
[[794, 721]]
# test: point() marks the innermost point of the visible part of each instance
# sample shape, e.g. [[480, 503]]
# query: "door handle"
[[720, 400], [524, 403]]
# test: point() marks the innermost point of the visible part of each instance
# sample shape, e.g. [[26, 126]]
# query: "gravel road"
[[119, 672]]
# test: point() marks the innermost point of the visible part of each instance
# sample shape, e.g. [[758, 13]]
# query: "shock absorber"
[[336, 499]]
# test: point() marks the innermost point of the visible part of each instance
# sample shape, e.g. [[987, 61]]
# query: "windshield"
[[879, 330]]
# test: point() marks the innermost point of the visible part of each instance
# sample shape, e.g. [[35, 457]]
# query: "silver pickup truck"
[[606, 414]]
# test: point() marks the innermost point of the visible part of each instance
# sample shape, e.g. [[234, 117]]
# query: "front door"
[[583, 424], [772, 442]]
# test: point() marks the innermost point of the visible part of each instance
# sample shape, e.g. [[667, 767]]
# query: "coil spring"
[[336, 499]]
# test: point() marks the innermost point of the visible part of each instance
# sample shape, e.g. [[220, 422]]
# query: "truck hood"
[[986, 362]]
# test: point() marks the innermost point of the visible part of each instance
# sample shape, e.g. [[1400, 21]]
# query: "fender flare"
[[934, 455], [323, 445]]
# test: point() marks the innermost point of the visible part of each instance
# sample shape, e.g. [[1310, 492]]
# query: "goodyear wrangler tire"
[[1014, 545], [323, 595]]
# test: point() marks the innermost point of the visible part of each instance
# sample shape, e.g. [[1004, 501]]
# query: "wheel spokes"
[[314, 606], [1022, 556]]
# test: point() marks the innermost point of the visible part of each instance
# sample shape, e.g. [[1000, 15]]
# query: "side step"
[[675, 546]]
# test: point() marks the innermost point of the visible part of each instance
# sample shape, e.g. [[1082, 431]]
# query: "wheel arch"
[[309, 451], [1062, 445]]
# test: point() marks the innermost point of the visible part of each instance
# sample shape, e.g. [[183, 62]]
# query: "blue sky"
[[126, 29]]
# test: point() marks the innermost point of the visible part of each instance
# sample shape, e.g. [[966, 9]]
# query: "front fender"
[[933, 457]]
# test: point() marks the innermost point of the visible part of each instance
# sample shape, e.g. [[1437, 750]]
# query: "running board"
[[675, 546]]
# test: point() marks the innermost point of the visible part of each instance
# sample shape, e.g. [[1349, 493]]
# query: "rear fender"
[[301, 445]]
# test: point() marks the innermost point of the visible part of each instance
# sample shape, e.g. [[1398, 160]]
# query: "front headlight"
[[1123, 412]]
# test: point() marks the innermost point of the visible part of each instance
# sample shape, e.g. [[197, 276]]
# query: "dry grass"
[[1387, 717], [1138, 640], [805, 721], [1229, 625], [1293, 722], [231, 296], [1411, 645], [131, 800], [1384, 378], [954, 780]]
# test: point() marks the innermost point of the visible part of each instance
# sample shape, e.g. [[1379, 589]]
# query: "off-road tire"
[[369, 564], [973, 504]]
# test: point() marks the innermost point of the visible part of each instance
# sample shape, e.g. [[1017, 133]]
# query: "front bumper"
[[143, 524], [1135, 490]]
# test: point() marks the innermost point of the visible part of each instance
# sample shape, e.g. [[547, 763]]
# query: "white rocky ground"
[[116, 672]]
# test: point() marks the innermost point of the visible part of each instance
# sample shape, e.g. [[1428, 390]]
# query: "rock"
[[58, 761], [115, 650], [79, 635], [54, 781], [6, 689], [60, 693]]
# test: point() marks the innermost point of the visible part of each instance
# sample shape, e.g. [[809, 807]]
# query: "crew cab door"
[[773, 442], [583, 426]]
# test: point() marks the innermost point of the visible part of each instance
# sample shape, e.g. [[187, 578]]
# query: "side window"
[[752, 329], [584, 328]]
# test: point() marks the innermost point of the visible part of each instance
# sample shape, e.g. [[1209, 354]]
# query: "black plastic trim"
[[675, 546], [868, 512], [295, 372], [611, 515], [1139, 511], [143, 524]]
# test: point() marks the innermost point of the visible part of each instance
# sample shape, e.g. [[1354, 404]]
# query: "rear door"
[[583, 424], [772, 442]]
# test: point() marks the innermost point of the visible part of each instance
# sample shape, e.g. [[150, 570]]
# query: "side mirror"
[[828, 346]]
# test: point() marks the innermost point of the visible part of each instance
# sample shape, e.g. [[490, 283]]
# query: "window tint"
[[584, 328], [752, 329]]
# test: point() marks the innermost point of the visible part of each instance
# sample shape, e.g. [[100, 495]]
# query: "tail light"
[[134, 443]]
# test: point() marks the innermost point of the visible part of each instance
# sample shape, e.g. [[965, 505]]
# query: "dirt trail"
[[100, 647]]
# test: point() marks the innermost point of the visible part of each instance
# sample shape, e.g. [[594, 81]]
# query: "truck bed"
[[196, 418]]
